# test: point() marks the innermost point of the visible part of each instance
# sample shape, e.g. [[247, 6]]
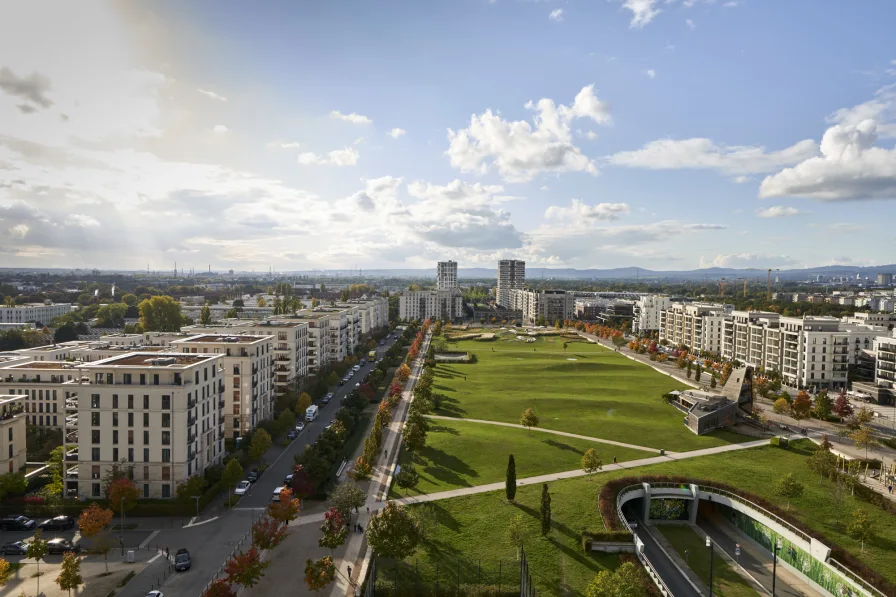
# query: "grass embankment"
[[460, 454], [725, 581], [585, 389], [473, 528]]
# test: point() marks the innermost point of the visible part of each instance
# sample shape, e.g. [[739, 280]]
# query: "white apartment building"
[[248, 376], [446, 305], [511, 276], [550, 304], [318, 343], [64, 351], [446, 275], [34, 312], [374, 313], [885, 364], [219, 312], [695, 325], [647, 313], [44, 387], [753, 338], [158, 415], [12, 434]]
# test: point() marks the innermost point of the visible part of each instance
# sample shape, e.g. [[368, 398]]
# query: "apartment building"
[[318, 337], [219, 311], [247, 373], [446, 305], [752, 338], [64, 351], [549, 304], [44, 387], [885, 365], [12, 433], [160, 416], [34, 312], [446, 275], [511, 276], [698, 326], [647, 311], [374, 313]]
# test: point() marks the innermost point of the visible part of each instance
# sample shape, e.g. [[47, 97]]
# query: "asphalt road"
[[211, 542]]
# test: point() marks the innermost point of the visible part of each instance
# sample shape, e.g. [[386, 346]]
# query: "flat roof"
[[145, 359], [40, 365], [225, 339]]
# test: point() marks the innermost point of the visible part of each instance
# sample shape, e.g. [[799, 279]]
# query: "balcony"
[[220, 404], [191, 420], [191, 438]]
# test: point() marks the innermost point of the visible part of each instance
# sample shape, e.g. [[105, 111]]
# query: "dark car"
[[253, 475], [16, 523], [342, 381], [182, 560], [60, 523], [15, 548], [292, 434], [61, 546]]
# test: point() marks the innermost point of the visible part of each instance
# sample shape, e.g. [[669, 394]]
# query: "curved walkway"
[[540, 430]]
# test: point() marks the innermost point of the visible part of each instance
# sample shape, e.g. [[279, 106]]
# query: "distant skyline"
[[662, 134]]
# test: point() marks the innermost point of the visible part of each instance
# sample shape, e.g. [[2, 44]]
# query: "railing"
[[854, 577], [654, 575], [755, 506]]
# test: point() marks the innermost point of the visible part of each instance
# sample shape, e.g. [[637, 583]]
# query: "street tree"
[[268, 533], [863, 438], [391, 532], [319, 573], [861, 527], [625, 581], [93, 523], [591, 462], [36, 550], [545, 510], [334, 530], [510, 481], [303, 404], [287, 509], [286, 422], [618, 341], [414, 438], [789, 487], [822, 462], [245, 568], [690, 369], [403, 373], [801, 407], [781, 407], [302, 484], [842, 407], [261, 443], [698, 371], [122, 494], [407, 477], [192, 486], [823, 406], [70, 573], [5, 571], [232, 474], [219, 588], [529, 419]]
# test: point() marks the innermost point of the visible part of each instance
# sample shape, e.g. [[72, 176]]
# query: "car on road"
[[288, 479], [362, 362], [326, 399], [60, 523], [632, 523], [292, 434], [61, 546], [300, 426], [357, 385], [342, 381], [242, 487], [16, 523], [276, 495], [14, 548], [155, 594], [182, 560], [253, 475]]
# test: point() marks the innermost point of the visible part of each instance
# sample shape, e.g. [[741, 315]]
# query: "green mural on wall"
[[661, 509]]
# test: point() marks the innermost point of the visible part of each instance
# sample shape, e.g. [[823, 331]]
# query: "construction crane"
[[745, 285], [769, 284]]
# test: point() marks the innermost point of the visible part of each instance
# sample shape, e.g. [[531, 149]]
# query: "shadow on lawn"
[[555, 444], [440, 459], [450, 407], [436, 428]]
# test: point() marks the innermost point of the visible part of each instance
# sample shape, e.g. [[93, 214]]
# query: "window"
[[166, 438], [166, 403], [146, 490], [54, 407], [114, 400], [95, 436], [130, 454], [145, 402], [236, 423], [236, 382], [94, 401], [236, 369], [95, 419], [130, 401], [166, 455], [166, 419], [115, 419], [54, 419], [146, 459], [95, 489], [95, 454], [130, 436], [166, 473], [146, 419], [166, 491], [143, 379], [115, 436], [126, 379], [95, 471], [236, 410], [155, 379], [145, 437], [115, 454], [130, 419]]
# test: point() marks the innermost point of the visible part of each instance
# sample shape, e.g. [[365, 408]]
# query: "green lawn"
[[725, 581], [474, 527], [460, 454], [585, 389]]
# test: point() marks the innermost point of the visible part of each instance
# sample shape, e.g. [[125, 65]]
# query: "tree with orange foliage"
[[319, 573], [268, 533], [122, 494], [245, 569], [404, 372], [287, 509], [93, 522], [801, 407], [395, 389], [219, 588]]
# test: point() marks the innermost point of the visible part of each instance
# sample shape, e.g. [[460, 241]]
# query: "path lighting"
[[709, 545]]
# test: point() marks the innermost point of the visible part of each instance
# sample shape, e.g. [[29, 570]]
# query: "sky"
[[663, 134]]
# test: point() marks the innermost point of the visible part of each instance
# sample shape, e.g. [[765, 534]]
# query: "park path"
[[555, 432], [442, 495]]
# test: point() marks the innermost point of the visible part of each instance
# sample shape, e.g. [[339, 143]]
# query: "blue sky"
[[667, 134]]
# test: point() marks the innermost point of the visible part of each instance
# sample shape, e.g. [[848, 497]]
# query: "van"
[[356, 368], [311, 413], [276, 496]]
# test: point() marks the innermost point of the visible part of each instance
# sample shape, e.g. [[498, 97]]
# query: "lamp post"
[[775, 549], [709, 545], [196, 497]]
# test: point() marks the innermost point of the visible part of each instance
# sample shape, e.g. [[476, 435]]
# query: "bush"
[[605, 536]]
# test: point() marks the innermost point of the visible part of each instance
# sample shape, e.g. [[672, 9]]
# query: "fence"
[[219, 573]]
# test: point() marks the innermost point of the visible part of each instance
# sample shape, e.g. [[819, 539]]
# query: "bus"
[[371, 356]]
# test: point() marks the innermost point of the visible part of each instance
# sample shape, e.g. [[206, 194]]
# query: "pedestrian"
[[167, 553], [349, 572], [614, 460], [890, 488], [360, 529], [387, 453], [368, 510]]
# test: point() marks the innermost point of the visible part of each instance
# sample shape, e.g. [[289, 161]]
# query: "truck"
[[371, 356], [311, 412]]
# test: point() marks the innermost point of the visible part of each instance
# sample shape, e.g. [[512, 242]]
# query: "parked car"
[[327, 398], [182, 560], [60, 523], [288, 479], [300, 426], [292, 434], [16, 523], [61, 546], [253, 475], [242, 487], [14, 548], [155, 594], [342, 381], [632, 523]]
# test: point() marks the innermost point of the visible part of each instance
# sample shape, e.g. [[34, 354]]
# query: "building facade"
[[446, 305], [12, 434], [546, 305], [695, 325], [511, 276], [446, 275], [34, 312], [647, 312]]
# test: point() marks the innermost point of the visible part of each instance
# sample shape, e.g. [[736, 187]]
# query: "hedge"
[[605, 536]]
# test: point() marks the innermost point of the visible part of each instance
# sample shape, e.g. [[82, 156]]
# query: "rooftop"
[[146, 359], [217, 338], [41, 365]]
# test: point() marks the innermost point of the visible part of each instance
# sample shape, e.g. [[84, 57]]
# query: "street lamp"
[[709, 545], [778, 545]]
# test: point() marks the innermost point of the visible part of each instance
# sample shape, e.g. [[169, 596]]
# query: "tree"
[[712, 381], [122, 493], [625, 581], [822, 462], [842, 407], [861, 527], [403, 373], [205, 315], [407, 477], [287, 509], [268, 533], [334, 530], [698, 372], [391, 532], [545, 510], [245, 569], [618, 341], [111, 315], [37, 549], [864, 415], [801, 407], [781, 407], [510, 482], [160, 314], [414, 438], [395, 389], [261, 443], [286, 422], [194, 485], [823, 405], [529, 419], [591, 462], [65, 333], [233, 474], [56, 486], [93, 522], [690, 368], [518, 532], [347, 496], [863, 439], [219, 588], [70, 573], [5, 570], [319, 573], [789, 488], [303, 404]]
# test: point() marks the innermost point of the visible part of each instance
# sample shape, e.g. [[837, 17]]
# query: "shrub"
[[607, 536]]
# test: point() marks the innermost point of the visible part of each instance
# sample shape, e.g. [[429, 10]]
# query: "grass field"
[[474, 527], [585, 389], [460, 454], [725, 581]]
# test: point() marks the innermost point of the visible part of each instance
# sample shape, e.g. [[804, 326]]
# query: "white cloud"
[[338, 157], [220, 129], [643, 11], [284, 145], [740, 260], [19, 231], [691, 24], [778, 211], [731, 4], [579, 212], [650, 73], [556, 15], [396, 133], [670, 154], [352, 118], [520, 152], [741, 179], [83, 221], [212, 95]]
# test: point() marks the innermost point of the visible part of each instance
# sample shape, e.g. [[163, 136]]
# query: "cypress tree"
[[510, 484], [545, 510]]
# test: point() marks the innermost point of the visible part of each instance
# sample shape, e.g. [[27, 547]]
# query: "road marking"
[[148, 539], [250, 509], [192, 524], [154, 558]]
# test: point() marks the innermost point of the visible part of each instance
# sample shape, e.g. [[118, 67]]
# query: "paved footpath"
[[555, 432]]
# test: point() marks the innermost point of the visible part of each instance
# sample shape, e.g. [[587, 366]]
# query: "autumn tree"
[[303, 404], [36, 550], [261, 443], [529, 419], [70, 573], [268, 533], [403, 373], [219, 588], [232, 474], [510, 480], [545, 510], [5, 571], [789, 488], [395, 389], [863, 439], [781, 407], [93, 523], [302, 485], [122, 493], [860, 526], [591, 462], [287, 509], [160, 314], [391, 532], [245, 569], [802, 406], [319, 573], [842, 407], [334, 529]]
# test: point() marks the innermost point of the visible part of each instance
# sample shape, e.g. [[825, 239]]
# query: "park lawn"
[[725, 581], [586, 389], [462, 454], [475, 526]]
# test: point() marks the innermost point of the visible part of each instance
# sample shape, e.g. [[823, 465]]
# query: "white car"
[[155, 594], [300, 426], [242, 487]]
